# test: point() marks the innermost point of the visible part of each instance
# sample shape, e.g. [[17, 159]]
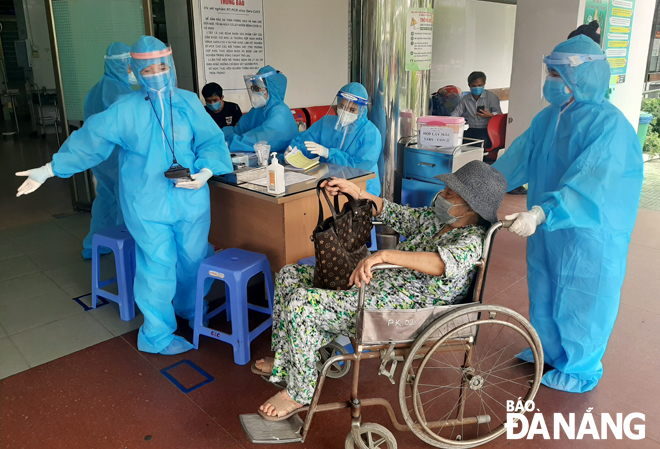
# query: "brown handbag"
[[340, 241]]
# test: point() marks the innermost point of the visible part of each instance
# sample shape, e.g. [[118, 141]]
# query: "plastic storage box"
[[440, 131]]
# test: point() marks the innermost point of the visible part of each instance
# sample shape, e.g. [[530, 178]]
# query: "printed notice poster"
[[615, 18], [233, 40], [419, 39]]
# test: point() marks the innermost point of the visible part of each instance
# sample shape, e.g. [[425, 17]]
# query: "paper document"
[[298, 160], [290, 178]]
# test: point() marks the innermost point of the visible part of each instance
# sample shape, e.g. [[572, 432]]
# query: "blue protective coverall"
[[106, 212], [583, 163], [273, 123], [358, 145], [170, 225]]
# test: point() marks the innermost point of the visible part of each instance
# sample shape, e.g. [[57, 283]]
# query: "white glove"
[[525, 223], [36, 177], [317, 149], [199, 179]]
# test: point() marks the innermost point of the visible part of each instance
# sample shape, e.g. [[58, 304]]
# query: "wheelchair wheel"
[[339, 369], [462, 370], [374, 436]]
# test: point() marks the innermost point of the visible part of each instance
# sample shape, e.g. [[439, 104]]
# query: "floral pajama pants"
[[304, 320]]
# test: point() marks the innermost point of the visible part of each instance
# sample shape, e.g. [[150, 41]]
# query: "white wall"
[[468, 36], [540, 26], [628, 96], [37, 33], [307, 40], [176, 17]]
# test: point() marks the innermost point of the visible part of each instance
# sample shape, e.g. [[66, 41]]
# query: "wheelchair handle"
[[507, 223]]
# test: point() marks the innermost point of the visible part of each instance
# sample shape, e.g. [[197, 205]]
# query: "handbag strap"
[[333, 209]]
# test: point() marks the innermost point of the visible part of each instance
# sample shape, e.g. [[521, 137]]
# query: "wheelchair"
[[459, 370]]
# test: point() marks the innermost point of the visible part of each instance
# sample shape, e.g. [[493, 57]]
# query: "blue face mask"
[[477, 90], [158, 82], [215, 107], [554, 90]]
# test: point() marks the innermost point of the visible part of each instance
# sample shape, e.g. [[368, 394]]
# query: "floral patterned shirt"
[[459, 249]]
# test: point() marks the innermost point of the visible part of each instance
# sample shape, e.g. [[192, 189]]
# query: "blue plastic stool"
[[374, 244], [120, 241], [235, 267]]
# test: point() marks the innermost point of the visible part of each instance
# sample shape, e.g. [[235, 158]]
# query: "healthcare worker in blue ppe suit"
[[269, 120], [159, 128], [116, 81], [583, 162], [348, 138]]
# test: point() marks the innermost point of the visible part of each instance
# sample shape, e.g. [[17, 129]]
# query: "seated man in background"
[[224, 113], [477, 108]]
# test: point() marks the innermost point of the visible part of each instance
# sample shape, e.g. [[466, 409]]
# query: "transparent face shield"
[[155, 71], [257, 87], [564, 65], [349, 108]]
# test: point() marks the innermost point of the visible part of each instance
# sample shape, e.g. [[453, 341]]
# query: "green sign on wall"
[[615, 18]]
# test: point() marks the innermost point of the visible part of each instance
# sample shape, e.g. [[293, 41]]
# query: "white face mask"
[[258, 100], [132, 80], [346, 118]]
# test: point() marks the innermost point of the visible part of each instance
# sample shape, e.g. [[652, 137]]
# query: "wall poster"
[[419, 39], [233, 40], [615, 19]]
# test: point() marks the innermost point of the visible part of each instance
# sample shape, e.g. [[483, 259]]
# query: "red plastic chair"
[[497, 133], [317, 112]]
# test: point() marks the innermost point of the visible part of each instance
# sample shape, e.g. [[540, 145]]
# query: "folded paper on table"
[[299, 160]]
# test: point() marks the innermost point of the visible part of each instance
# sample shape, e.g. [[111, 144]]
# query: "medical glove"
[[36, 177], [317, 149], [199, 179], [290, 150], [178, 346], [525, 223]]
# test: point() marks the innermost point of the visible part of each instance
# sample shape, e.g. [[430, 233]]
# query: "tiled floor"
[[74, 379], [41, 268]]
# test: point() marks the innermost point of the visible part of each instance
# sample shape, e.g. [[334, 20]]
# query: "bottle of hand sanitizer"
[[275, 176]]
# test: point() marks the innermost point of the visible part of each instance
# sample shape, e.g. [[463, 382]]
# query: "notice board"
[[615, 18], [233, 40]]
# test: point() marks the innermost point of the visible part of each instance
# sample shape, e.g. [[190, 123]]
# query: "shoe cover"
[[526, 355], [557, 380], [178, 346]]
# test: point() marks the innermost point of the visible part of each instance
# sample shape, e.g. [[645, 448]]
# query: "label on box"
[[437, 136]]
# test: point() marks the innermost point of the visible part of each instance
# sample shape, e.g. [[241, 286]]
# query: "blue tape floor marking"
[[169, 377], [102, 301]]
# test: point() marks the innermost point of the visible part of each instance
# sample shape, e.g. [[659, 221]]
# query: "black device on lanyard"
[[176, 170]]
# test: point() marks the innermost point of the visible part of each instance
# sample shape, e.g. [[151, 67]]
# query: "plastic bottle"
[[275, 176]]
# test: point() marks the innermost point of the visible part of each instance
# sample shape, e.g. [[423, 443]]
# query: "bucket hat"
[[480, 185]]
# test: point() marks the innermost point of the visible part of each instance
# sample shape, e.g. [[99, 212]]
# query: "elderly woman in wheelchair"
[[443, 244]]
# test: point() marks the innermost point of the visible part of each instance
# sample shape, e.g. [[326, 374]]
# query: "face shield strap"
[[354, 98], [571, 59], [153, 54], [121, 56]]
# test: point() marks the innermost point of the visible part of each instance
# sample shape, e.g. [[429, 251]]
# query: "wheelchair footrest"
[[260, 431]]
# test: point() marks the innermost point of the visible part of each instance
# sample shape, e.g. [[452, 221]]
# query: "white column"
[[540, 26]]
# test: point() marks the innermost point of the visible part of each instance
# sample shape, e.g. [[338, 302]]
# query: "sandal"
[[282, 404], [267, 361]]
